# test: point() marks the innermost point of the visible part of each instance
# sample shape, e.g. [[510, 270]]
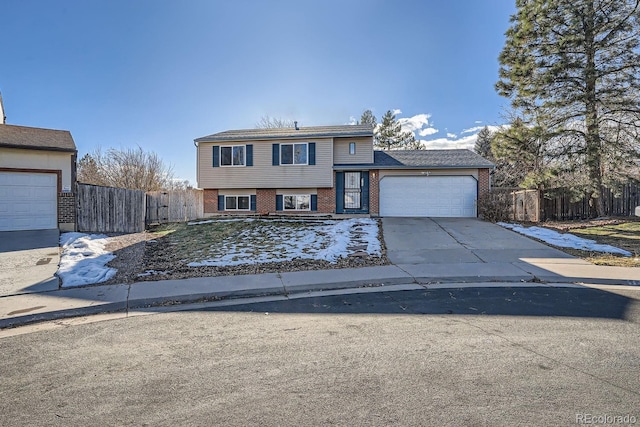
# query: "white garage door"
[[28, 201], [436, 196]]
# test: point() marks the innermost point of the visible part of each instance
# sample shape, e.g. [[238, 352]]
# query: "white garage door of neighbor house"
[[435, 196], [28, 201]]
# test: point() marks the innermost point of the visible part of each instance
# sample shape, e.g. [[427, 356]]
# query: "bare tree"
[[267, 122], [131, 168]]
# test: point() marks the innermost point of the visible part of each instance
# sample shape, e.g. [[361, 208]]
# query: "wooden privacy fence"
[[110, 210], [558, 205], [526, 205], [174, 206]]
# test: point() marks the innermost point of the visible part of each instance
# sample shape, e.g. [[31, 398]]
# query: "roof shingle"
[[36, 138], [290, 133], [442, 159]]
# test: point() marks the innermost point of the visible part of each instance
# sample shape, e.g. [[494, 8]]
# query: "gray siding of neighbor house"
[[263, 174], [364, 151]]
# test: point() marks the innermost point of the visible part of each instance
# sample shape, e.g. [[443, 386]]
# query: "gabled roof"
[[12, 136], [432, 159], [290, 133]]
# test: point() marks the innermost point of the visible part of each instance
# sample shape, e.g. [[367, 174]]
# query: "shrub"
[[496, 206]]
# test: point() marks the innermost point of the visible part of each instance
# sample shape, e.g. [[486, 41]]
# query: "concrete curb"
[[13, 322], [96, 299]]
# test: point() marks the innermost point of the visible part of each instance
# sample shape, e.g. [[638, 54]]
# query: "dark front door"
[[352, 192]]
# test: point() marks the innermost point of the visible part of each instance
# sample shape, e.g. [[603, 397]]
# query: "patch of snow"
[[564, 240], [83, 260], [272, 241]]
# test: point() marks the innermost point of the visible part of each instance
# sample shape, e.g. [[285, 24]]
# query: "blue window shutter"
[[314, 202], [339, 192], [253, 201], [216, 156], [365, 190], [249, 154], [276, 154], [220, 203], [279, 202], [312, 153]]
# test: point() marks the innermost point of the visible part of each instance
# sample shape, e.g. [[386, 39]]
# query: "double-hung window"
[[237, 203], [294, 154], [232, 155], [297, 202]]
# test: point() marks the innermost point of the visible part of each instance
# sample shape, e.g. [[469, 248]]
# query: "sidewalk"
[[20, 309]]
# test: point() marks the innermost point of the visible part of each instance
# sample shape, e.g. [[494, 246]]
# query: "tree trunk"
[[593, 142]]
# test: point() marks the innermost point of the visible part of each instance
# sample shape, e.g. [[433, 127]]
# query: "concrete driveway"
[[28, 261], [459, 240]]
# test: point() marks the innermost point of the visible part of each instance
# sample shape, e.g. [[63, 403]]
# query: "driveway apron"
[[459, 240], [28, 261]]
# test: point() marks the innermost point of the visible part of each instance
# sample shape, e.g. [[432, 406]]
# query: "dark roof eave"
[[374, 166], [37, 147], [272, 137]]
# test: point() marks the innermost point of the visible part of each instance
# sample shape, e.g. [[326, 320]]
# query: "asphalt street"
[[476, 356]]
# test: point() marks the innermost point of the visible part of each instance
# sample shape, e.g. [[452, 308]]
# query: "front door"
[[352, 192]]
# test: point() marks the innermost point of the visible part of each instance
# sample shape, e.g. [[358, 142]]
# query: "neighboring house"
[[37, 179], [334, 170]]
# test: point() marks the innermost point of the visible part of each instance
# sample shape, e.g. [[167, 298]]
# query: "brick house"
[[334, 170], [37, 179]]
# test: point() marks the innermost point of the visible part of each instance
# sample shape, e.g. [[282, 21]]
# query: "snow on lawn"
[[83, 260], [564, 240], [285, 240]]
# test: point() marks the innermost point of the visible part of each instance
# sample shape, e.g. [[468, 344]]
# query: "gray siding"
[[263, 174], [364, 151]]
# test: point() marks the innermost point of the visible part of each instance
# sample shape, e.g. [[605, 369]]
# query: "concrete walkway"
[[19, 309]]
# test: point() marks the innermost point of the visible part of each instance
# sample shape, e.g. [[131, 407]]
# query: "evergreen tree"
[[390, 136], [575, 64], [483, 144], [521, 156], [368, 118]]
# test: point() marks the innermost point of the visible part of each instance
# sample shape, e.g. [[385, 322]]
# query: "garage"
[[28, 201], [435, 196]]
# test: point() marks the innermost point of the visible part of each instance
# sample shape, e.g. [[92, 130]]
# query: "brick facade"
[[265, 200], [210, 200], [484, 184], [66, 208], [374, 192], [327, 200]]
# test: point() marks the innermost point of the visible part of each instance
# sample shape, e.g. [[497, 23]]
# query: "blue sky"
[[160, 73]]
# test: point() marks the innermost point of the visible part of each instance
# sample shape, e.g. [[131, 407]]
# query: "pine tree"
[[390, 136], [483, 144], [368, 118], [521, 156], [575, 64]]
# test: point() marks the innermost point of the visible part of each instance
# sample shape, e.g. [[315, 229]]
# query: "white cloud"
[[473, 129], [478, 122], [396, 111], [418, 123], [453, 142], [467, 142], [427, 131], [353, 120]]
